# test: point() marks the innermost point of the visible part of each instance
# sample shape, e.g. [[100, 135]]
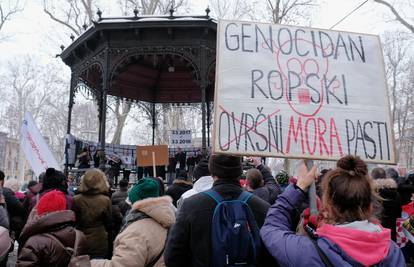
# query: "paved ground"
[[13, 257]]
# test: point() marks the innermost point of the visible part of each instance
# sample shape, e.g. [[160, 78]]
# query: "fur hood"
[[387, 183], [160, 209]]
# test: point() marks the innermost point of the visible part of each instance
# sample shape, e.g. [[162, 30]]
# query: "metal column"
[[102, 115], [73, 83]]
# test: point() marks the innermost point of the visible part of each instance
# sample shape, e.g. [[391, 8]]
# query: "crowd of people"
[[219, 215]]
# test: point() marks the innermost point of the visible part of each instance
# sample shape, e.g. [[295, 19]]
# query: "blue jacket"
[[290, 249]]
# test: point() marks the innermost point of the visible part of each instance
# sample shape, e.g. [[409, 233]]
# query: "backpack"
[[235, 239]]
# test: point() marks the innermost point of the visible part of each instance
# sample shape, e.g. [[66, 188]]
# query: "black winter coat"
[[189, 239], [391, 204], [16, 211], [270, 190], [178, 188]]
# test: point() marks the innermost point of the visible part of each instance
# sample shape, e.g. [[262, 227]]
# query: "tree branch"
[[61, 22], [397, 15]]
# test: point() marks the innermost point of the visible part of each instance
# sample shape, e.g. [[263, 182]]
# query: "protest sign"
[[145, 156], [35, 148], [180, 138], [299, 92]]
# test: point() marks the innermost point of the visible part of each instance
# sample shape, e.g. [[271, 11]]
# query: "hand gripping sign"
[[300, 93]]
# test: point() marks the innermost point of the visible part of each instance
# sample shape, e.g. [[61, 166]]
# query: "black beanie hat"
[[201, 169], [54, 179], [225, 166]]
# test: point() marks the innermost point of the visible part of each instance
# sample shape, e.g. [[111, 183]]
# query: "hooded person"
[[93, 212], [346, 235], [143, 234], [202, 181], [45, 240], [179, 186]]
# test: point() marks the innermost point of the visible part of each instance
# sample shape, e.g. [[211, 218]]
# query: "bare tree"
[[151, 7], [8, 9], [407, 22], [233, 9], [73, 14], [289, 11], [398, 64]]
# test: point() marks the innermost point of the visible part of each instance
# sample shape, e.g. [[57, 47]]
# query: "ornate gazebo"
[[156, 59]]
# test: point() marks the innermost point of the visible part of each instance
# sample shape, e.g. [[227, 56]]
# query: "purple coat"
[[290, 249]]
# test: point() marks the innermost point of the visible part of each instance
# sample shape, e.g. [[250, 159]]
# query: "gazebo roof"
[[151, 58]]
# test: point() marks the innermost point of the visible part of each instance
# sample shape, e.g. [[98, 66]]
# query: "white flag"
[[35, 147]]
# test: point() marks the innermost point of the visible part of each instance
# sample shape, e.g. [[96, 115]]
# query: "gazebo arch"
[[157, 59]]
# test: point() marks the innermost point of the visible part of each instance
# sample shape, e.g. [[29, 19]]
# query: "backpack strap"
[[322, 254], [78, 235], [245, 196], [156, 259], [214, 195]]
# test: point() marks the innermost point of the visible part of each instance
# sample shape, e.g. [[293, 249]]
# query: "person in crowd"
[[390, 209], [393, 174], [4, 216], [92, 207], [408, 249], [202, 181], [72, 184], [33, 188], [46, 239], [282, 179], [346, 235], [171, 170], [189, 241], [159, 180], [406, 188], [180, 160], [84, 158], [120, 195], [52, 179], [97, 158], [119, 208], [318, 183], [2, 176], [116, 163], [191, 162], [179, 186], [15, 208], [143, 234], [6, 243], [260, 182]]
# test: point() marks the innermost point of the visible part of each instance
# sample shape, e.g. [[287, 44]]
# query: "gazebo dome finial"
[[172, 11], [207, 11], [136, 12], [99, 13]]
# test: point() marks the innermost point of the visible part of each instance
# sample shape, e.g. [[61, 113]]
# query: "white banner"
[[300, 93], [180, 138], [35, 148]]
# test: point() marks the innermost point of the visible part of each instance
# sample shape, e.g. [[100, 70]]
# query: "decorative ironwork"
[[102, 53]]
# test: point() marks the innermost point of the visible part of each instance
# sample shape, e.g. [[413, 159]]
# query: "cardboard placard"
[[144, 155], [297, 92]]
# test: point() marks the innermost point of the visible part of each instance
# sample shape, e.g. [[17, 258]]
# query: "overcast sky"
[[29, 36], [33, 32]]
